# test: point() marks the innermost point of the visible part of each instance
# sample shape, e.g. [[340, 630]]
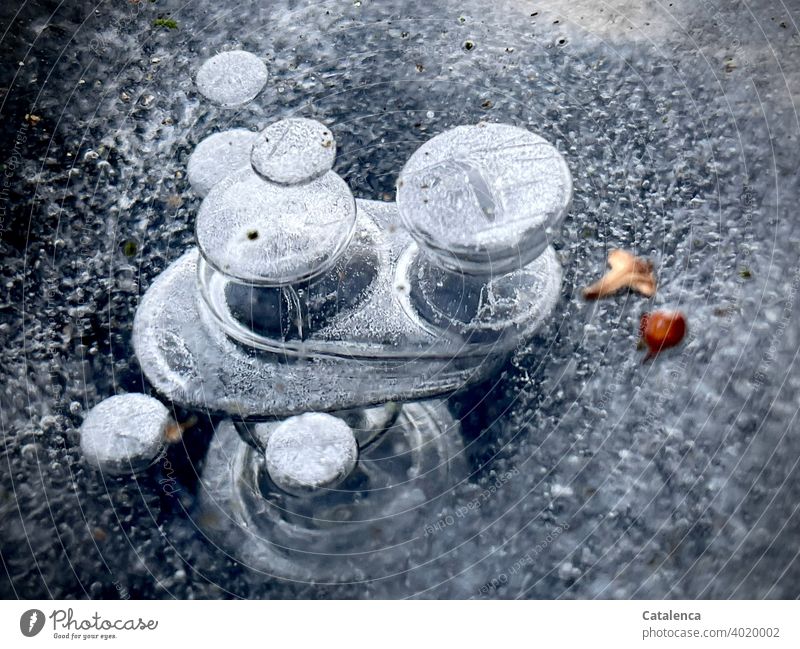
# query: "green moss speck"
[[169, 23], [745, 273], [130, 248]]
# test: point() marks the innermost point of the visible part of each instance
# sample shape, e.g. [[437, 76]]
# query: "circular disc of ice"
[[231, 79], [266, 234], [217, 157], [310, 451], [124, 433], [479, 199], [294, 150]]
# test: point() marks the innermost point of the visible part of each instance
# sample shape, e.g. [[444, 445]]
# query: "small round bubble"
[[294, 150], [232, 79], [310, 451], [124, 433], [217, 157]]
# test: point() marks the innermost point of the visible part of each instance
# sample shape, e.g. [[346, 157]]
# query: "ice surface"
[[124, 433], [679, 124], [231, 79], [219, 156], [294, 150], [268, 234], [479, 198], [310, 452]]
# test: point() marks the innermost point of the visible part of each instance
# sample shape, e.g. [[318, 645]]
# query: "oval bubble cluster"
[[294, 150]]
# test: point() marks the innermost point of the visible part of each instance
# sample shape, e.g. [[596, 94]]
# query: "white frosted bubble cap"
[[310, 451], [267, 234], [231, 79], [124, 433], [217, 157], [480, 198], [294, 150]]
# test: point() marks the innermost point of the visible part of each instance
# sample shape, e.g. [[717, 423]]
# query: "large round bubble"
[[479, 198]]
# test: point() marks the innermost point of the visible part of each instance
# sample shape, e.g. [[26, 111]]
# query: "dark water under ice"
[[607, 478]]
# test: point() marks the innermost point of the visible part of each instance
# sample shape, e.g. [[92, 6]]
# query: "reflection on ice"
[[370, 524]]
